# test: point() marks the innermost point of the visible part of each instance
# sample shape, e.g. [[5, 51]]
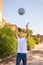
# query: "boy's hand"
[[27, 24]]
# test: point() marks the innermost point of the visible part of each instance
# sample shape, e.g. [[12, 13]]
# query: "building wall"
[[0, 12], [12, 26], [1, 5]]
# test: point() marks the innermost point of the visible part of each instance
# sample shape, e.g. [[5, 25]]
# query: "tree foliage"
[[8, 43], [30, 43]]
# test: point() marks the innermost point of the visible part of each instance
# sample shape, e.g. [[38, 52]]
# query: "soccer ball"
[[21, 11]]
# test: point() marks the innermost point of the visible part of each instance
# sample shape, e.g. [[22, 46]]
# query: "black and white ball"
[[21, 11]]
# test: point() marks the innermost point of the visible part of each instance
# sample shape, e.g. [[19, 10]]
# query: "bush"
[[8, 43], [36, 40], [30, 43]]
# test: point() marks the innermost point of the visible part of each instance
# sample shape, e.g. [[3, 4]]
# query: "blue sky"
[[33, 14]]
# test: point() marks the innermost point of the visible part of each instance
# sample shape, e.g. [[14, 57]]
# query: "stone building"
[[39, 37], [12, 26], [0, 13]]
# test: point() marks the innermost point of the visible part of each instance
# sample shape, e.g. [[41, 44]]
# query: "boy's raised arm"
[[27, 30]]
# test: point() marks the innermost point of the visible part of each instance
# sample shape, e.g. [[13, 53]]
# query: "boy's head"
[[21, 34]]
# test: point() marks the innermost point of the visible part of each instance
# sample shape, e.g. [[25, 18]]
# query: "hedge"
[[8, 43]]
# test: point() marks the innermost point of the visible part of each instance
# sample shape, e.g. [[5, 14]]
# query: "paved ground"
[[34, 57]]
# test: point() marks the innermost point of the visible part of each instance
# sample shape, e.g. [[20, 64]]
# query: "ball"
[[21, 11]]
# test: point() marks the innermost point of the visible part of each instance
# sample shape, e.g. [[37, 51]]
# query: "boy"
[[22, 47]]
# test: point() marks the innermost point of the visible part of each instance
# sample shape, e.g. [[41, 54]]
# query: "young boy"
[[22, 48]]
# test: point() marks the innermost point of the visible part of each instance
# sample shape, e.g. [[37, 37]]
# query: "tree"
[[30, 43], [8, 43]]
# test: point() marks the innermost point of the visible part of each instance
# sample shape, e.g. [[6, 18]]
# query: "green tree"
[[8, 43], [30, 43]]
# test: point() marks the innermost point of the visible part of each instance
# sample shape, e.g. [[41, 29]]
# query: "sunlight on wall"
[[0, 12]]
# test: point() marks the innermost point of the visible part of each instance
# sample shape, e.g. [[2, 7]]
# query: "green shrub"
[[30, 43], [8, 43], [36, 40]]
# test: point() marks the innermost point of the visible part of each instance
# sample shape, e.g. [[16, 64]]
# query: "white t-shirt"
[[22, 47]]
